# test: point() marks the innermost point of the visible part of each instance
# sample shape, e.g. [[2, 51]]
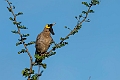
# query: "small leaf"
[[13, 7], [80, 16], [22, 51], [40, 73], [39, 58], [22, 27], [9, 9], [66, 43], [10, 3], [34, 77], [76, 17], [22, 39], [16, 23], [65, 26], [11, 19], [85, 3], [16, 32], [84, 12], [30, 43], [18, 43], [91, 11], [87, 20], [52, 53], [94, 2], [44, 65], [20, 13], [25, 35], [25, 72], [19, 52], [66, 38], [62, 39], [78, 27]]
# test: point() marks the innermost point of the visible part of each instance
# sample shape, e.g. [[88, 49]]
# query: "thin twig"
[[31, 59], [38, 72]]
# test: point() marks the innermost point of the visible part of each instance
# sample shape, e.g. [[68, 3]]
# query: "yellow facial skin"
[[47, 26]]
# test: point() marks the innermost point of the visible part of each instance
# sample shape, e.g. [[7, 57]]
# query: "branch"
[[38, 72], [10, 8], [76, 28], [27, 72]]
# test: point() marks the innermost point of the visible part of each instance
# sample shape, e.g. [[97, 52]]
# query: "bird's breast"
[[47, 39]]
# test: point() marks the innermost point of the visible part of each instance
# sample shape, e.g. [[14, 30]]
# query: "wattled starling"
[[44, 39]]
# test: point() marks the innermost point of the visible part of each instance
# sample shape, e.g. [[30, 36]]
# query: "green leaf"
[[52, 53], [34, 77], [44, 65], [91, 11], [78, 27], [94, 2], [25, 72], [20, 13], [36, 55], [11, 19], [15, 32], [85, 3], [84, 12], [41, 73], [16, 23], [18, 43], [80, 16], [39, 58], [10, 3], [9, 9], [65, 26], [75, 17], [30, 43], [25, 35], [22, 27], [62, 39], [76, 30], [66, 38], [65, 43], [22, 39], [22, 51], [13, 7]]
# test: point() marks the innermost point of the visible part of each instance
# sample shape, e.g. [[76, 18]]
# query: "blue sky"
[[94, 51]]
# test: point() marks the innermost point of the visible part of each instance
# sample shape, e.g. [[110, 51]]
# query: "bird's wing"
[[39, 42], [40, 38]]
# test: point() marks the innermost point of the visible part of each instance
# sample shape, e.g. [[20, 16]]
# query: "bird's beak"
[[51, 29], [53, 24]]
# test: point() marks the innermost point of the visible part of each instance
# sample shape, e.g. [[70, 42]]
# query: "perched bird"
[[44, 39]]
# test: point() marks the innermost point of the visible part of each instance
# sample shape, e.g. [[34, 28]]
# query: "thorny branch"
[[22, 40]]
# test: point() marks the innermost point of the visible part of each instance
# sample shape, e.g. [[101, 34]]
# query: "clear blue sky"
[[94, 51]]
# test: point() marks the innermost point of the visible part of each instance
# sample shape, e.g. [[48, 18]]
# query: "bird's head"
[[49, 28]]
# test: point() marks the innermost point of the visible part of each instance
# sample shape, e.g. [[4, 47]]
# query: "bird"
[[44, 39]]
